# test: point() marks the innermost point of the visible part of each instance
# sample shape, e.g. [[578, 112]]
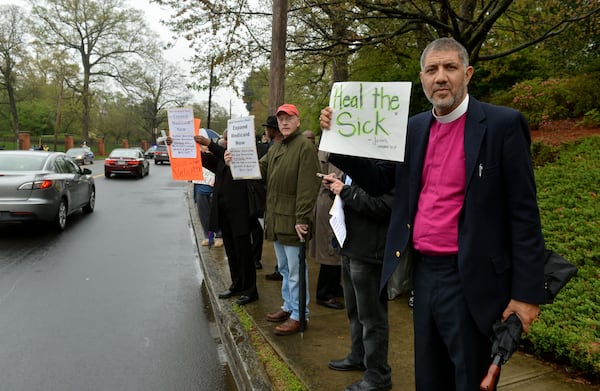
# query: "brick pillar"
[[24, 141], [125, 143], [100, 142], [69, 142]]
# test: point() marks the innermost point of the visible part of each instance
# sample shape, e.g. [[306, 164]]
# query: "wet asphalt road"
[[114, 302]]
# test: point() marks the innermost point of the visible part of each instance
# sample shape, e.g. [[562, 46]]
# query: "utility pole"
[[210, 87], [277, 71]]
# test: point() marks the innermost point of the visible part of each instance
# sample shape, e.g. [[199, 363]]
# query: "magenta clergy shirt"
[[442, 187]]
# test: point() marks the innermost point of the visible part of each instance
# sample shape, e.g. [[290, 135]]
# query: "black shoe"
[[365, 386], [258, 265], [345, 365], [243, 300], [331, 303], [275, 276], [227, 294]]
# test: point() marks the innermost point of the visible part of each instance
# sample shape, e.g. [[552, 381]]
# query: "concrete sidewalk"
[[327, 336]]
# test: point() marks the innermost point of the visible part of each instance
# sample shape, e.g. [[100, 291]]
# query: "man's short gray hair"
[[445, 45]]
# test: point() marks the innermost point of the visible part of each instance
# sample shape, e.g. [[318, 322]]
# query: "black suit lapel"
[[475, 129], [418, 145]]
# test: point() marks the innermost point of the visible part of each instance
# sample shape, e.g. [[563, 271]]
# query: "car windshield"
[[124, 153], [75, 151], [162, 148], [20, 162]]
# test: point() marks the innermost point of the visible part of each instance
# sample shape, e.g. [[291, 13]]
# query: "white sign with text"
[[181, 130], [369, 120], [241, 143]]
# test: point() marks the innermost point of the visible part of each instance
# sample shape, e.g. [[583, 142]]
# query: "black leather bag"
[[557, 272], [257, 197]]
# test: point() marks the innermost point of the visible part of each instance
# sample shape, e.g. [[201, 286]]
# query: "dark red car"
[[126, 161]]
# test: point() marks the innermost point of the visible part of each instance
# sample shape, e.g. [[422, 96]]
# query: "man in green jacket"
[[290, 169]]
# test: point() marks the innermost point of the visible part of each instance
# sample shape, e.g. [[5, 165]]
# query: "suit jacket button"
[[398, 254]]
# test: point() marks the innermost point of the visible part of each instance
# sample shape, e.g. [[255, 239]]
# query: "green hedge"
[[569, 329], [546, 100]]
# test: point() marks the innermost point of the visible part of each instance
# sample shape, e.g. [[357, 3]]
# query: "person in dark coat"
[[229, 213], [367, 219]]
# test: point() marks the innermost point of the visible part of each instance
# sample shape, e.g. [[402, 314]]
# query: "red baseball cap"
[[288, 109]]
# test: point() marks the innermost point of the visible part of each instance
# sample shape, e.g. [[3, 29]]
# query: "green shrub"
[[545, 100], [542, 154], [591, 118], [569, 329]]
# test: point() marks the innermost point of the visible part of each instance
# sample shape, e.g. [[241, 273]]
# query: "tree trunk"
[[86, 99], [13, 109]]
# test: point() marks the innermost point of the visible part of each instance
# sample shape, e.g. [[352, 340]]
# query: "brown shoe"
[[278, 316], [288, 327]]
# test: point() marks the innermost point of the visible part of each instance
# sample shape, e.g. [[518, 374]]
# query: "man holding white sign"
[[230, 214], [466, 204]]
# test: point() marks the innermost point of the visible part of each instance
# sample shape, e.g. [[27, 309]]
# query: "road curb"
[[245, 366]]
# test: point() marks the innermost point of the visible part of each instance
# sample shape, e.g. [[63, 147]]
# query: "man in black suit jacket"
[[466, 204], [229, 213]]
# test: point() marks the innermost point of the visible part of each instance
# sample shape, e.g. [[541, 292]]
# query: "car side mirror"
[[87, 171]]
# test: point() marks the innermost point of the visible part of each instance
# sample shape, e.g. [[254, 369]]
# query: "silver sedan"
[[43, 186]]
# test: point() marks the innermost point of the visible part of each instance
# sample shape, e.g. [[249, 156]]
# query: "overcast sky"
[[154, 13]]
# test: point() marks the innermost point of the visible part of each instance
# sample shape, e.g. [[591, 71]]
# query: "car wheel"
[[89, 208], [107, 174], [140, 173], [60, 221], [155, 162]]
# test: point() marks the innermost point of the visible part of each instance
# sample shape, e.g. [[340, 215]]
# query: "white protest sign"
[[241, 142], [369, 120], [181, 129]]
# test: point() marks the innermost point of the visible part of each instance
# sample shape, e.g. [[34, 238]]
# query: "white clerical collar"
[[454, 114]]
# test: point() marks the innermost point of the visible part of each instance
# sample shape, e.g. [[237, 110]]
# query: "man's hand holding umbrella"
[[527, 313], [518, 316]]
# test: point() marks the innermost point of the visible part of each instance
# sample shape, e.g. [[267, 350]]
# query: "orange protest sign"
[[185, 168]]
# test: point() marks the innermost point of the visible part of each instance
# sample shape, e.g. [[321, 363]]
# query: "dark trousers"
[[239, 257], [368, 316], [257, 236], [328, 283], [450, 351]]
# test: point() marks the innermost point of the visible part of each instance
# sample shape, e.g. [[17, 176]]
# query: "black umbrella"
[[506, 335], [302, 287], [557, 272]]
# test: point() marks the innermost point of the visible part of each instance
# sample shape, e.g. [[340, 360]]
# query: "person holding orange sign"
[[229, 213]]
